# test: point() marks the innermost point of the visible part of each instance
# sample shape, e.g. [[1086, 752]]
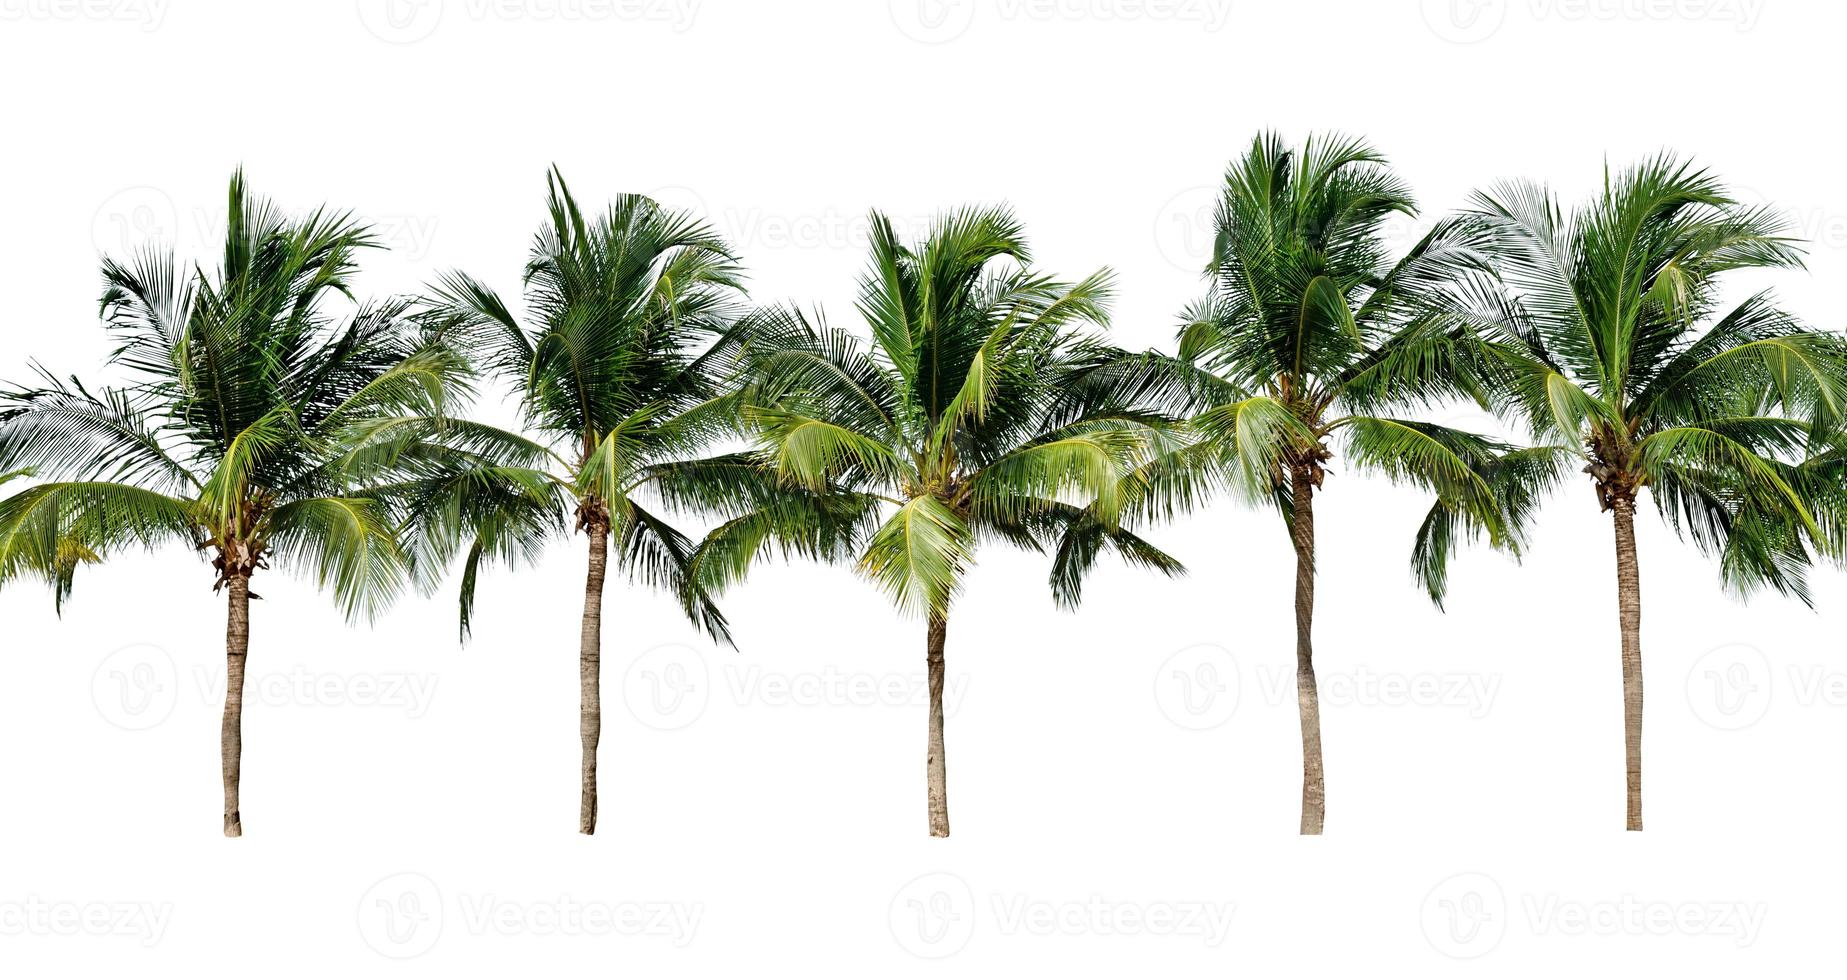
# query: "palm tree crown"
[[618, 365], [1311, 328], [974, 415], [1617, 350], [232, 433]]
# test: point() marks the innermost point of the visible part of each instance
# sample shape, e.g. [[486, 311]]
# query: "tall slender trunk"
[[1308, 699], [589, 671], [231, 733], [936, 766], [1629, 606]]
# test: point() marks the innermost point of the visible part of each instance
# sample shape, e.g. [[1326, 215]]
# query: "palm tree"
[[971, 417], [1310, 330], [231, 433], [1615, 348], [631, 323]]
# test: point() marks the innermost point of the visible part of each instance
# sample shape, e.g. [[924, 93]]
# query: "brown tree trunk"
[[589, 671], [1308, 699], [231, 733], [937, 769], [1629, 606]]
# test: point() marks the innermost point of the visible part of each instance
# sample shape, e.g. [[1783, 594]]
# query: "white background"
[[409, 804]]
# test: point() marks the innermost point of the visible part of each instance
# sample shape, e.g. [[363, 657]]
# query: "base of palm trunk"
[[939, 811], [233, 825], [936, 765], [1311, 823], [586, 813]]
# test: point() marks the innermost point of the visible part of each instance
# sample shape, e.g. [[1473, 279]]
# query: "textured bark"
[[1629, 606], [937, 769], [589, 669], [231, 733], [1303, 479]]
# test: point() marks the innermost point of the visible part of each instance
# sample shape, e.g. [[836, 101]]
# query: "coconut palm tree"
[[1311, 331], [969, 418], [230, 432], [630, 326], [1614, 346]]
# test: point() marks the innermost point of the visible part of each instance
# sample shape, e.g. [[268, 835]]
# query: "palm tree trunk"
[[1629, 605], [936, 766], [589, 669], [1308, 699], [231, 733]]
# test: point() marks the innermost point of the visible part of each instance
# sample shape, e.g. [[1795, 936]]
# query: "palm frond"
[[347, 545], [919, 555]]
